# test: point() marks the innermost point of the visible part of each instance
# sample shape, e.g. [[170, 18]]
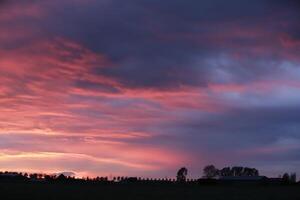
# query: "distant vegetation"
[[210, 175], [211, 171], [232, 183]]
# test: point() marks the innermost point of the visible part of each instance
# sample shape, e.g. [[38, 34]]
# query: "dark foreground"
[[44, 191]]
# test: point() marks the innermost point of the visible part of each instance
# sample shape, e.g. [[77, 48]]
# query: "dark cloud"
[[166, 44], [235, 131], [3, 2], [291, 4]]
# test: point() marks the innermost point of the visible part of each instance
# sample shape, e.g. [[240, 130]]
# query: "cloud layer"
[[99, 87]]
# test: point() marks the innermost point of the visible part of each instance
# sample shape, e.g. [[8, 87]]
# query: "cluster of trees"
[[32, 176], [210, 171], [289, 178]]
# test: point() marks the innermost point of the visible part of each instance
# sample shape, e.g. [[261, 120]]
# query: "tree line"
[[210, 172]]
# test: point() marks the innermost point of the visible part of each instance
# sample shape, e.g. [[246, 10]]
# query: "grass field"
[[58, 191]]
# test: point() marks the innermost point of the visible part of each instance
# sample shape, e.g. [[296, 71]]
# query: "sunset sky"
[[144, 87]]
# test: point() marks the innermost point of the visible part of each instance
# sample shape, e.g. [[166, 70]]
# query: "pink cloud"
[[37, 105]]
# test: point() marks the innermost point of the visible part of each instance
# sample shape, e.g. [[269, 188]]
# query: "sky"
[[144, 87]]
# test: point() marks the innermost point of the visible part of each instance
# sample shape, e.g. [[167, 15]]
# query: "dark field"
[[56, 191]]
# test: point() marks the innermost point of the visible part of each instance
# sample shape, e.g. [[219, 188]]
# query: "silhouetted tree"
[[255, 172], [247, 171], [210, 171], [250, 172], [226, 171], [40, 176], [293, 178], [289, 178], [237, 171], [33, 176], [48, 178], [286, 177], [61, 178], [181, 174]]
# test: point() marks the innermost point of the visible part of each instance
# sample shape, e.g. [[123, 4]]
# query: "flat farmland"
[[70, 191]]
